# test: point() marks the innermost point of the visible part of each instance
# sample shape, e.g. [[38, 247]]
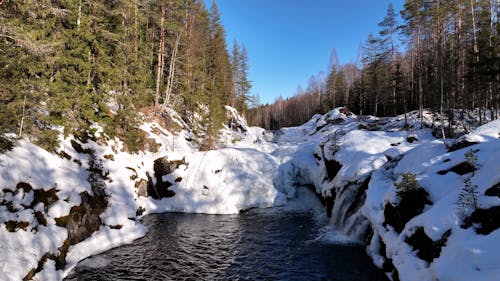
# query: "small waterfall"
[[346, 211]]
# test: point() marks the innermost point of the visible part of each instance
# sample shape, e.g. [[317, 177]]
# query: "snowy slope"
[[353, 164], [344, 158], [223, 181], [465, 254]]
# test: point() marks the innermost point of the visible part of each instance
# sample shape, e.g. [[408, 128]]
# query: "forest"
[[73, 64], [442, 55]]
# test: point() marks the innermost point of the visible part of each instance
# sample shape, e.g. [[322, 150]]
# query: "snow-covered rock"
[[353, 163]]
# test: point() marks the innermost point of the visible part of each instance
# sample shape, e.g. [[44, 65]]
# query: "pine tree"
[[388, 42], [241, 84], [468, 196], [218, 85]]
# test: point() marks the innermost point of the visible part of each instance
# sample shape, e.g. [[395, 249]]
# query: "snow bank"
[[465, 254], [352, 162], [222, 181], [40, 170], [336, 157]]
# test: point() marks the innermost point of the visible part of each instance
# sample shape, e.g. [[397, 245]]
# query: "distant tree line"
[[451, 60], [76, 63]]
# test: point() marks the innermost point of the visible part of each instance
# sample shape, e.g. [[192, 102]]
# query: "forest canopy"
[[76, 63]]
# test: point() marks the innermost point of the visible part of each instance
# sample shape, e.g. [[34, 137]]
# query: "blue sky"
[[290, 40]]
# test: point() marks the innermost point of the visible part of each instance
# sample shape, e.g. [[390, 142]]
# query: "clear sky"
[[290, 40]]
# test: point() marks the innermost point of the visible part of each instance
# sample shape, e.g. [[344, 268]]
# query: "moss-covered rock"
[[47, 197], [14, 226]]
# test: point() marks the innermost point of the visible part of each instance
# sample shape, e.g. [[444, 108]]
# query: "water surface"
[[268, 244]]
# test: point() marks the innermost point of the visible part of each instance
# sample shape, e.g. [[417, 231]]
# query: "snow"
[[21, 250], [257, 168], [466, 255], [103, 240], [222, 181]]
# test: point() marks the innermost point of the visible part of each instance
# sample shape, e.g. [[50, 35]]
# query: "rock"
[[64, 155], [332, 168], [140, 210], [359, 197], [412, 204], [109, 157], [461, 143], [47, 197], [461, 169], [151, 145], [163, 191], [484, 221], [14, 226], [26, 187], [329, 201], [368, 126], [411, 139], [83, 220], [388, 266], [494, 190], [40, 217], [346, 111], [426, 248], [79, 148], [142, 187], [162, 166]]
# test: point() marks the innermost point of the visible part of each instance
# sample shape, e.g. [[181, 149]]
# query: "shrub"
[[408, 183], [5, 144], [47, 139]]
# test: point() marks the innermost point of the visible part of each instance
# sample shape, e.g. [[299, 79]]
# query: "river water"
[[271, 244]]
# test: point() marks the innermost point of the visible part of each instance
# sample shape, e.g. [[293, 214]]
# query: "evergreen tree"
[[241, 84], [220, 77]]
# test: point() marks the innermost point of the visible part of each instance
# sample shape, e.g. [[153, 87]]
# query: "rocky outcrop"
[[426, 248], [157, 187], [82, 221], [39, 198], [460, 169], [412, 203], [484, 221], [493, 191]]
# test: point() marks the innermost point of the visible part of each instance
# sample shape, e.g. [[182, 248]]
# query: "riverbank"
[[60, 208]]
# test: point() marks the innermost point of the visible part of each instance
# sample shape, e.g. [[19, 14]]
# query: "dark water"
[[258, 245]]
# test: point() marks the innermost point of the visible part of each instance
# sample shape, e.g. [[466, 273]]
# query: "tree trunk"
[[136, 29], [440, 65], [79, 18], [171, 72], [476, 53], [160, 65], [22, 116]]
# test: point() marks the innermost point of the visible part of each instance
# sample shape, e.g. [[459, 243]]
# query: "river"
[[269, 244]]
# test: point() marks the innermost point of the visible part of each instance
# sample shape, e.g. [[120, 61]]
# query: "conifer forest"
[[442, 55], [75, 63]]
